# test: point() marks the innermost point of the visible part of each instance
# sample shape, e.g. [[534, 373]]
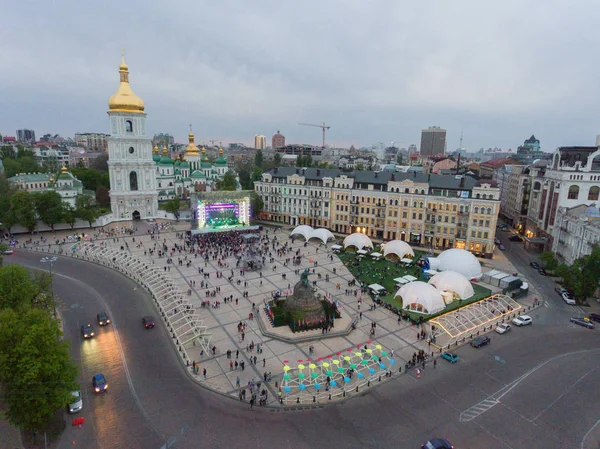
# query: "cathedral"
[[139, 175]]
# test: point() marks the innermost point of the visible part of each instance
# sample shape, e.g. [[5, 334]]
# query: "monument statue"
[[304, 276]]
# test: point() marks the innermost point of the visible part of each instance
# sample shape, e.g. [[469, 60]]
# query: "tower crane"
[[324, 127]]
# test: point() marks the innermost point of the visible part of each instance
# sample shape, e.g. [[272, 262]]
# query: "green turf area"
[[383, 272]]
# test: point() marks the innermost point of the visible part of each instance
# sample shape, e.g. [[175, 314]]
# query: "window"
[[128, 126], [473, 234], [573, 192], [414, 215], [133, 181], [404, 214], [487, 224], [476, 210], [489, 211], [478, 234], [485, 235], [593, 193], [131, 150]]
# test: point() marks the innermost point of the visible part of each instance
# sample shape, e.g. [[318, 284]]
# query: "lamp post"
[[50, 261]]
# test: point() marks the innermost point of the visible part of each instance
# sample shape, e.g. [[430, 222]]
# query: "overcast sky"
[[376, 71]]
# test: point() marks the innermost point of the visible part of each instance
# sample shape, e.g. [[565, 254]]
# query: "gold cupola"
[[124, 100], [63, 169], [165, 151], [220, 151], [191, 149]]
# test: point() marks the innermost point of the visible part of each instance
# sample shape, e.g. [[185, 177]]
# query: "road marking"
[[587, 435]]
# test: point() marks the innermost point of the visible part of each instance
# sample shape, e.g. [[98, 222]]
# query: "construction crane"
[[324, 127]]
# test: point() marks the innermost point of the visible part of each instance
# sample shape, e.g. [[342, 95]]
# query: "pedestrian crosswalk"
[[574, 310], [478, 409]]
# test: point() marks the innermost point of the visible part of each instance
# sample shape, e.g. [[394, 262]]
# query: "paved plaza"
[[399, 340]]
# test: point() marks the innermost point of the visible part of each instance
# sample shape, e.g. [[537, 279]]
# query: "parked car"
[[103, 319], [99, 383], [437, 443], [76, 402], [542, 271], [568, 298], [501, 247], [87, 331], [503, 328], [497, 241], [452, 358], [8, 252], [148, 322], [515, 238], [480, 341], [594, 317], [560, 290], [582, 322], [522, 320], [534, 265]]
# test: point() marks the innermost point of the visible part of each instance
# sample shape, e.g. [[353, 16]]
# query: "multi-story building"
[[94, 142], [515, 187], [278, 140], [302, 150], [578, 229], [65, 184], [260, 142], [433, 141], [435, 211], [26, 136]]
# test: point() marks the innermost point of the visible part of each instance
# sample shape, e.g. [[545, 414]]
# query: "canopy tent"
[[250, 237], [376, 255], [407, 261], [487, 276], [337, 247], [362, 252], [303, 230], [430, 272], [451, 281], [400, 281], [421, 297], [410, 278], [398, 248], [358, 240], [376, 288], [458, 260], [322, 234]]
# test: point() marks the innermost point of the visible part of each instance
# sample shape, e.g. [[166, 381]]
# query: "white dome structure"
[[451, 281], [359, 240], [458, 260], [399, 248], [303, 230], [421, 297], [322, 234]]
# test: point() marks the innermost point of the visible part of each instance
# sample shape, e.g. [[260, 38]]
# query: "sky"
[[375, 71]]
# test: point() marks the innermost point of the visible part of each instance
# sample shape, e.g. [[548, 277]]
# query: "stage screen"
[[218, 215]]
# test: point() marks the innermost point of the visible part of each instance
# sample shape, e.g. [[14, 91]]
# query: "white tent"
[[303, 230], [359, 240], [407, 261], [400, 281], [452, 281], [322, 234], [376, 255], [409, 278], [376, 288], [362, 252], [458, 260], [336, 248], [399, 248], [421, 297]]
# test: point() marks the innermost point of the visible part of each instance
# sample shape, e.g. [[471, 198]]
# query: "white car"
[[76, 404], [522, 320], [503, 328], [568, 298]]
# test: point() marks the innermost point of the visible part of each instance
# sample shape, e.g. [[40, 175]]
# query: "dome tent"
[[458, 260], [303, 230], [359, 240], [421, 297], [399, 248], [453, 282], [322, 234]]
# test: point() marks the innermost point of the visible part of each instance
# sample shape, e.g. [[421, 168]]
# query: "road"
[[529, 388]]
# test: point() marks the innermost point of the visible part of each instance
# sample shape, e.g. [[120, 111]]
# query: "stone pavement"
[[222, 322]]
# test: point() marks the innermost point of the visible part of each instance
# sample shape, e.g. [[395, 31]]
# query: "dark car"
[[534, 265], [594, 317], [582, 322], [501, 247], [99, 383], [480, 341], [515, 238], [542, 272], [437, 443], [87, 331], [103, 319], [148, 322]]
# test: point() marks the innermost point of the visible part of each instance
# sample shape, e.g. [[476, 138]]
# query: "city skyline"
[[374, 73]]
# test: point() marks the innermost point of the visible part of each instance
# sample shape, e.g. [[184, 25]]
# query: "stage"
[[222, 211], [209, 230]]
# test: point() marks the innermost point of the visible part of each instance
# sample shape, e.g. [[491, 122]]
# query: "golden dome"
[[191, 149], [155, 149], [63, 169], [165, 151], [220, 151], [203, 150], [124, 100]]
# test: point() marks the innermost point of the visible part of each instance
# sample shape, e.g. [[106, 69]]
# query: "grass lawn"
[[383, 272]]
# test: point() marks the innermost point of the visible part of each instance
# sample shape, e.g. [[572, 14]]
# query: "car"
[[76, 402], [502, 226], [542, 271], [501, 247], [148, 322], [560, 290], [568, 298], [87, 331], [534, 265], [99, 383], [515, 238], [582, 322], [437, 443], [480, 341], [594, 317], [522, 320], [452, 358], [506, 229], [103, 319], [8, 252], [497, 241], [503, 328]]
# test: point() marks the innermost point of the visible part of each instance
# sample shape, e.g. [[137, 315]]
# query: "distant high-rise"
[[278, 140], [260, 142], [433, 141], [26, 135]]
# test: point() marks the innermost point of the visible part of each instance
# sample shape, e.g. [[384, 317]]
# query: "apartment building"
[[433, 211], [578, 229], [95, 142]]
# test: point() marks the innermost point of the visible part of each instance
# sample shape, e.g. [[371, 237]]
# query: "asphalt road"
[[544, 380]]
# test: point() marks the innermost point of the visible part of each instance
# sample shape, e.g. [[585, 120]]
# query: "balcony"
[[463, 214]]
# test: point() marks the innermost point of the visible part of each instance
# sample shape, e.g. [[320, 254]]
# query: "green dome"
[[197, 174], [186, 180], [177, 163], [206, 163], [177, 171], [184, 164], [165, 160], [156, 157], [221, 162]]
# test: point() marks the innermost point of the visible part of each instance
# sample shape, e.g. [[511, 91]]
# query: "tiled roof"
[[30, 177]]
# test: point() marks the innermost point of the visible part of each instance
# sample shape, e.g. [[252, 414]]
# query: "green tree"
[[7, 152], [399, 159], [19, 291], [36, 371], [70, 215], [549, 260], [50, 207], [22, 206], [84, 207], [258, 159], [245, 179], [228, 182], [91, 179], [256, 176], [299, 161], [277, 159], [359, 166], [100, 163], [173, 206], [582, 276], [103, 195], [257, 205]]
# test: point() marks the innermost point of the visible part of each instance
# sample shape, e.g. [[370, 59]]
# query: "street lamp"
[[50, 261]]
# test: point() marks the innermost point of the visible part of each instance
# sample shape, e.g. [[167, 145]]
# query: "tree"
[[50, 207], [256, 176], [84, 207], [582, 276], [399, 159], [299, 161], [7, 152], [245, 180], [258, 159], [549, 260], [19, 291], [277, 159], [173, 206], [360, 166], [36, 371], [91, 179], [103, 195], [257, 204], [70, 215], [100, 163], [22, 205], [228, 182]]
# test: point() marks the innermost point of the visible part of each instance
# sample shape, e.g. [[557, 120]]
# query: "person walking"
[[434, 363], [251, 402], [204, 373]]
